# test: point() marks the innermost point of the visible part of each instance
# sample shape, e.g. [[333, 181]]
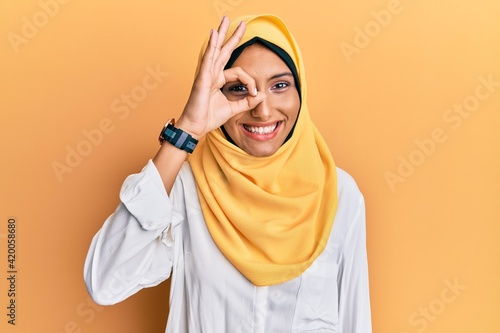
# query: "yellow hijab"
[[270, 216]]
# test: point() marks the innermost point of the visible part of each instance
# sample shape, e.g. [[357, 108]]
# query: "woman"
[[258, 229]]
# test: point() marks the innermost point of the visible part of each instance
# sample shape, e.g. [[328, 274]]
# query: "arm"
[[133, 249], [354, 296]]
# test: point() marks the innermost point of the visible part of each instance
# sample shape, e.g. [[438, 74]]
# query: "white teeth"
[[261, 130]]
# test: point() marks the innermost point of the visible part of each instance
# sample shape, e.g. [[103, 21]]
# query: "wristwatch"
[[177, 137]]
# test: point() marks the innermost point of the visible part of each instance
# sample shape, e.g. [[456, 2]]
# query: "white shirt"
[[152, 236]]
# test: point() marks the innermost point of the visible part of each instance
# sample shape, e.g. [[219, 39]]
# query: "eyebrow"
[[272, 77], [280, 75]]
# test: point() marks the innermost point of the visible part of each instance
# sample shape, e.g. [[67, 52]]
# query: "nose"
[[262, 111]]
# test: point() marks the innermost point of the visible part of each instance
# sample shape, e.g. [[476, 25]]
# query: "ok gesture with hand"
[[207, 108]]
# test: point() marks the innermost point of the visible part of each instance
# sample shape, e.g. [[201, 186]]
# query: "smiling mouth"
[[261, 129]]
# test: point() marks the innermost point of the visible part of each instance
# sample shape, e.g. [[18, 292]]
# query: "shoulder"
[[350, 209], [185, 181], [186, 171], [348, 190]]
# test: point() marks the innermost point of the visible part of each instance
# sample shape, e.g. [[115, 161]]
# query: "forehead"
[[259, 56]]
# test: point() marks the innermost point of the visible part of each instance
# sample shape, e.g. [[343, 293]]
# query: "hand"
[[207, 108]]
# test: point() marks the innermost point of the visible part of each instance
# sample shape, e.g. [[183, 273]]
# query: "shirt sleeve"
[[354, 296], [134, 247]]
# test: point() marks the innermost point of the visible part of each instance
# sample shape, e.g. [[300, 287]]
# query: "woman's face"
[[262, 130]]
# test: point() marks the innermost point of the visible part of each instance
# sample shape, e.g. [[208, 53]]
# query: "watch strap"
[[178, 138]]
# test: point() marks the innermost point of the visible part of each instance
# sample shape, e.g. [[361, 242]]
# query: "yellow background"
[[435, 226]]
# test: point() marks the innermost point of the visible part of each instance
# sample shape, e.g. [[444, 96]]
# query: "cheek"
[[290, 105], [231, 127]]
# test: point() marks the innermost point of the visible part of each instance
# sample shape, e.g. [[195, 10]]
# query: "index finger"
[[211, 56], [229, 46]]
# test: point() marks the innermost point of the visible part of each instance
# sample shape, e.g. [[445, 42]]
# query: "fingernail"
[[255, 91]]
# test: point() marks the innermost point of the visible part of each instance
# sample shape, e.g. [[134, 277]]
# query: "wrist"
[[188, 128], [177, 137]]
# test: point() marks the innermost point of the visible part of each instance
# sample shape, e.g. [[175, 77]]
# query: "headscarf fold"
[[271, 216]]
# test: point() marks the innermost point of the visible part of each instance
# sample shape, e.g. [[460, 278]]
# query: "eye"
[[238, 88], [281, 85]]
